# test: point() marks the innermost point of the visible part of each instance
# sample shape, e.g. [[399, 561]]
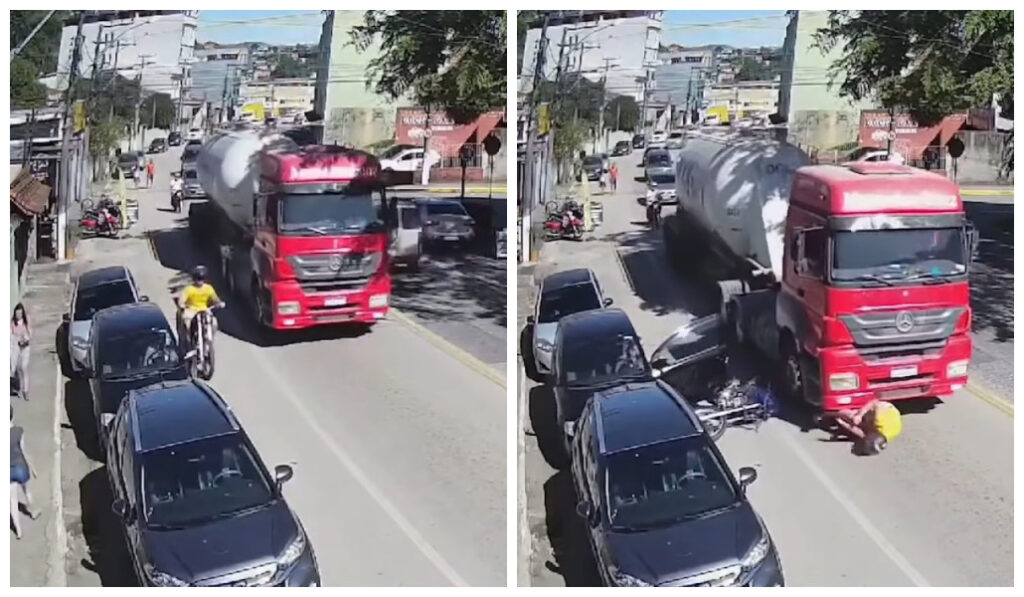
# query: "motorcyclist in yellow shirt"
[[196, 297]]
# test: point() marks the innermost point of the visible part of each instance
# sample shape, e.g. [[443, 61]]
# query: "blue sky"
[[688, 28], [270, 26]]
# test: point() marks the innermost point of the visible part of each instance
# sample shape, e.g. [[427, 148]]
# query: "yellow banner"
[[543, 119], [79, 117]]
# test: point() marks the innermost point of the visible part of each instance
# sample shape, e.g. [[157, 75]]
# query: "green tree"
[[164, 111], [750, 69], [929, 63], [447, 60], [625, 109], [26, 90], [287, 67]]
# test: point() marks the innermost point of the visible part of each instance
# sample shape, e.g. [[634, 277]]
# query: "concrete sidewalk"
[[38, 558]]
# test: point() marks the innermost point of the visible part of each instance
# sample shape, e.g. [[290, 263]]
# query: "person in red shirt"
[[614, 171], [150, 172]]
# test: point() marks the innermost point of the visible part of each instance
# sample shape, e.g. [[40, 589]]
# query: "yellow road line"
[[461, 355], [986, 192], [989, 397]]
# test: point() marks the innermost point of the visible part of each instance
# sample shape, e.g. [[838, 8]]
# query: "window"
[[409, 218], [815, 253], [556, 304], [93, 299]]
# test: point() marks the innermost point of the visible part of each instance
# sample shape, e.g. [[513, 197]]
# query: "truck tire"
[[729, 308], [802, 387]]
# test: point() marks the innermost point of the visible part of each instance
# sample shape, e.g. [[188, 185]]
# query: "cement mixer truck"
[[852, 278], [299, 231]]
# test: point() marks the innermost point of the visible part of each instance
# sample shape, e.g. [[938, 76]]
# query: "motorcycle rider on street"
[[177, 185], [197, 297]]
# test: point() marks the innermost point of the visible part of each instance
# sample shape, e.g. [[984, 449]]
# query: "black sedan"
[[593, 167], [661, 505], [622, 148], [174, 139], [157, 146]]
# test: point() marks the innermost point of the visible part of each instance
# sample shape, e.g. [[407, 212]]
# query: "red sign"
[[908, 138], [444, 135]]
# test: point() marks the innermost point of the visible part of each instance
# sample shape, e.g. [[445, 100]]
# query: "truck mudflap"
[[849, 380]]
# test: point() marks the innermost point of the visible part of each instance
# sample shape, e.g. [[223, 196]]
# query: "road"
[[936, 509], [398, 446]]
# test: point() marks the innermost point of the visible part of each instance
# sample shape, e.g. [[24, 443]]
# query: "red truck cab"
[[874, 289], [320, 244]]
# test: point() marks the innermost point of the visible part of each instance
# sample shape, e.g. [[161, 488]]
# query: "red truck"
[[854, 278], [300, 230]]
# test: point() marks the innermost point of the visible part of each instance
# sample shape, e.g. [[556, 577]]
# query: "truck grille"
[[878, 355], [902, 327], [334, 267]]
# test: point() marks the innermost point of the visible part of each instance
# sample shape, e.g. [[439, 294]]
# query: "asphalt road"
[[398, 446], [935, 509]]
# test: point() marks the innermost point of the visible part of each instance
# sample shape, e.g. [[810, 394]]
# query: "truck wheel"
[[800, 383]]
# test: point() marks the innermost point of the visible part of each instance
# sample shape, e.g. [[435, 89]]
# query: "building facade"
[[743, 99], [619, 45], [352, 114], [680, 78], [279, 98], [158, 44]]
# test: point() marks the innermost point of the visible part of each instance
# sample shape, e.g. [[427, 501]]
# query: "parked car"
[[406, 247], [561, 294], [130, 161], [158, 146], [94, 291], [594, 350], [657, 161], [132, 346], [198, 506], [661, 505], [593, 167], [190, 183], [195, 135], [638, 141], [873, 154], [174, 139], [622, 148], [402, 158], [445, 222]]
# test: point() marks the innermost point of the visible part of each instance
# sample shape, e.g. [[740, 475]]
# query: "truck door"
[[811, 258], [406, 232]]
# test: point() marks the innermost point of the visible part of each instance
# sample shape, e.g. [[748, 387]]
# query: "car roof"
[[103, 275], [569, 277], [600, 323], [132, 316], [641, 414], [437, 201], [176, 412]]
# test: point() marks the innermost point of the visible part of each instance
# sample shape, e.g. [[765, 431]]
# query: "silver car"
[[561, 294], [94, 291], [445, 221]]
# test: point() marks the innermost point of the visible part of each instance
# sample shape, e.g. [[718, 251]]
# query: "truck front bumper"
[[848, 380], [295, 309]]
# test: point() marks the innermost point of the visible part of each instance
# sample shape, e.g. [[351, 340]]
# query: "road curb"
[[525, 551], [56, 573], [1000, 404], [986, 192], [454, 351]]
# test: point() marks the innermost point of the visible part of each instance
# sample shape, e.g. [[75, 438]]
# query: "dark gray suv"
[[198, 506]]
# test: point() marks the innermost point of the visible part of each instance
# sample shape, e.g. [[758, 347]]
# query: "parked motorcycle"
[[101, 219], [565, 221]]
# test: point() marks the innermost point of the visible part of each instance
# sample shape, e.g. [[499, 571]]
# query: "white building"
[[622, 44], [165, 39]]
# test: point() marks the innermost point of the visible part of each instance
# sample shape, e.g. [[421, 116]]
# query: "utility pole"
[[558, 72], [136, 123], [114, 75], [39, 25], [529, 197], [604, 104], [63, 197], [643, 110]]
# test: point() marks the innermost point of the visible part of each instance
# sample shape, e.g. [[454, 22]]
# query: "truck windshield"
[[318, 214], [897, 255]]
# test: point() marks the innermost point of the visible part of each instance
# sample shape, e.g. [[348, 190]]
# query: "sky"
[[284, 27], [691, 28]]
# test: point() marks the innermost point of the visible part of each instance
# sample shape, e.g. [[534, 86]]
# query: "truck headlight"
[[378, 300], [289, 308], [957, 369], [162, 579], [843, 382], [293, 551]]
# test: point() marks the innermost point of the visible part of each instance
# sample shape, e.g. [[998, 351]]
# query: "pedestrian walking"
[[137, 176], [21, 472], [614, 171], [21, 336], [150, 172]]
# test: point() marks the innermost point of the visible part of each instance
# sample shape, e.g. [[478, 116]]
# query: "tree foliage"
[[165, 110], [288, 67], [26, 90], [105, 136], [750, 69], [569, 140], [37, 58], [929, 63], [628, 113], [447, 60]]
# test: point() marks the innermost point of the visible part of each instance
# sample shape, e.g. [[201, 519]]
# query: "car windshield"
[[556, 304], [593, 160], [622, 144], [659, 159], [202, 481], [191, 151], [662, 179], [898, 254], [599, 360], [95, 298], [329, 213], [191, 175], [666, 483], [137, 351], [441, 209]]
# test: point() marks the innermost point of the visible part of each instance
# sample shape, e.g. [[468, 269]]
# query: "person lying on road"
[[872, 426]]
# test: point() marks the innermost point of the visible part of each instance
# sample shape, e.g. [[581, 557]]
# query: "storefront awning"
[[28, 194]]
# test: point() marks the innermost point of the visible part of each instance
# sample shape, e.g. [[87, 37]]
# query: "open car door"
[[692, 343]]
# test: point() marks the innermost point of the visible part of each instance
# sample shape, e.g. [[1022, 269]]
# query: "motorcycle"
[[564, 222], [100, 219], [176, 198], [200, 355]]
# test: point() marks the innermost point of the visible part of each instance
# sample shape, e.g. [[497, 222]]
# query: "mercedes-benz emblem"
[[904, 322], [335, 263]]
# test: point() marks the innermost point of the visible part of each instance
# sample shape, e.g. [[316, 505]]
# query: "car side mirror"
[[641, 200], [530, 320], [282, 474], [66, 318], [120, 508], [747, 476], [607, 301], [585, 510], [144, 299]]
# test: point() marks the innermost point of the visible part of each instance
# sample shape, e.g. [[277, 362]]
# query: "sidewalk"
[[525, 296], [38, 558]]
